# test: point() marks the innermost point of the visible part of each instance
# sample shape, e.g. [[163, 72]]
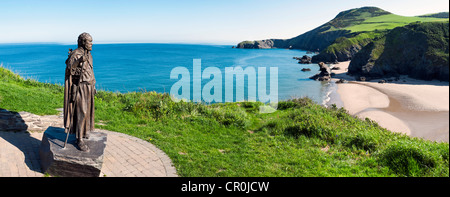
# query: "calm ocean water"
[[136, 67]]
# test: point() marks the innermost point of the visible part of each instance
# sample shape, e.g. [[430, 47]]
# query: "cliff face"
[[259, 44], [344, 48], [420, 50], [339, 56], [316, 39]]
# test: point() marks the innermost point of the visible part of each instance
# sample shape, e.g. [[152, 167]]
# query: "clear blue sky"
[[181, 21]]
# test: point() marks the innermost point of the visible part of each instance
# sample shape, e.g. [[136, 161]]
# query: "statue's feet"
[[83, 146]]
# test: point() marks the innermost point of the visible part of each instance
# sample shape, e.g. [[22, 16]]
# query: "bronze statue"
[[79, 91]]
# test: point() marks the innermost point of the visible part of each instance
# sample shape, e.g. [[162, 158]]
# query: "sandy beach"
[[415, 107]]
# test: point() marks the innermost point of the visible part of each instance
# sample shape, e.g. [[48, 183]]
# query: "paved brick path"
[[125, 156]]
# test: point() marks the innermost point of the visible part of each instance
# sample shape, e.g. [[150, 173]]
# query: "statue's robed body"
[[79, 90]]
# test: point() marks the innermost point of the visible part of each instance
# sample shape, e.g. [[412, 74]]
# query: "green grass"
[[344, 44], [389, 21], [357, 16], [17, 94], [232, 139]]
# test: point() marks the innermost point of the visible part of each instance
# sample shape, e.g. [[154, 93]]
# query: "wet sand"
[[415, 107]]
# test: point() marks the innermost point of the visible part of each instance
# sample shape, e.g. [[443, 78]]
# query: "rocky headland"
[[379, 43]]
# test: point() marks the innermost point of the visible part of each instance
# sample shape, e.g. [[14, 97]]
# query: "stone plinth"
[[70, 161]]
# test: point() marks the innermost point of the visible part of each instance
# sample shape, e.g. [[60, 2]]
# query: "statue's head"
[[85, 41]]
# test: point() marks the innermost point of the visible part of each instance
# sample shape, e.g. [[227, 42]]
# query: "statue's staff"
[[74, 98]]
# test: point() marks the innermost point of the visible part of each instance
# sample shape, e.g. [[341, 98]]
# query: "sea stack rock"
[[70, 161], [306, 69], [325, 73], [305, 60]]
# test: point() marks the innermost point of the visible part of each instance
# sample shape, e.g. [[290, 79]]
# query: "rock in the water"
[[305, 60], [306, 69], [341, 81], [324, 75], [318, 77], [70, 161]]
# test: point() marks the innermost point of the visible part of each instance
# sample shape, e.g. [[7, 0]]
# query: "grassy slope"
[[17, 94], [233, 139], [342, 44], [389, 21]]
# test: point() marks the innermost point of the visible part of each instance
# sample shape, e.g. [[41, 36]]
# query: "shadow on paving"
[[14, 130]]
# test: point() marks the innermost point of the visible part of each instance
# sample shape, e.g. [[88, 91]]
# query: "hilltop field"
[[386, 22]]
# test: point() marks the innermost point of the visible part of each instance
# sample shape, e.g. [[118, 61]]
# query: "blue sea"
[[146, 67]]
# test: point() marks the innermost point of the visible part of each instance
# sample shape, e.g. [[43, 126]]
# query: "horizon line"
[[119, 42]]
